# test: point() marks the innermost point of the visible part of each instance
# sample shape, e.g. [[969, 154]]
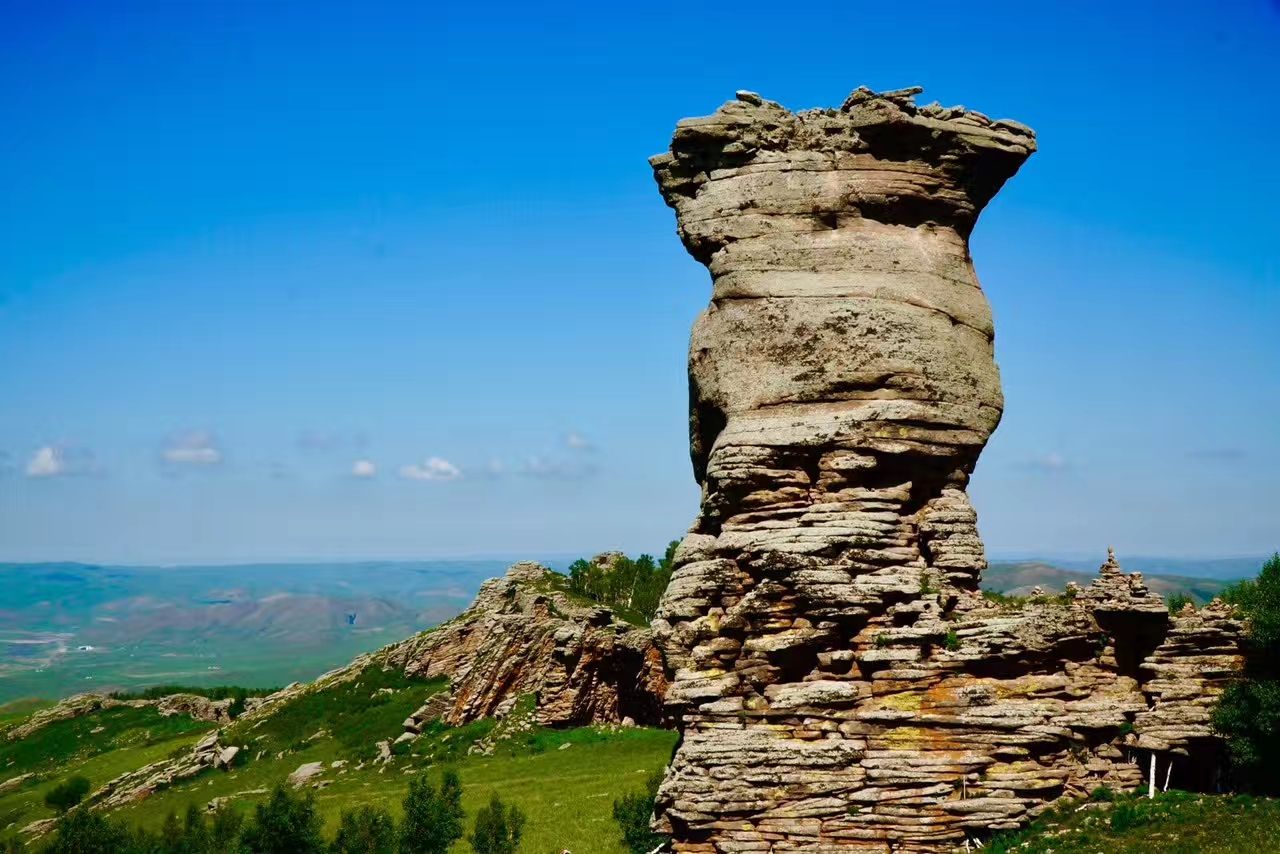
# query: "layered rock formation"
[[839, 681], [525, 634]]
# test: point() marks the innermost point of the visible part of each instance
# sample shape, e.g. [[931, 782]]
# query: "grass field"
[[1172, 823]]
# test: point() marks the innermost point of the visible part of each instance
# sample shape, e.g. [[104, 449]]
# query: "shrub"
[[1177, 601], [432, 817], [225, 831], [285, 824], [67, 794], [952, 640], [498, 828], [367, 830], [632, 813], [82, 832], [1248, 712]]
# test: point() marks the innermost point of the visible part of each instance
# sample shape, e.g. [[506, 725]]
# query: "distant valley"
[[67, 628]]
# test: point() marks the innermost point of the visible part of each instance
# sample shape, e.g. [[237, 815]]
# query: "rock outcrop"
[[192, 705], [524, 634], [839, 680]]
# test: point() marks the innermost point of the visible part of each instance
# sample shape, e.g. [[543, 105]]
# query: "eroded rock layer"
[[523, 635], [839, 681]]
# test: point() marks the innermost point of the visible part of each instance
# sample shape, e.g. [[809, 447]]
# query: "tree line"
[[289, 823]]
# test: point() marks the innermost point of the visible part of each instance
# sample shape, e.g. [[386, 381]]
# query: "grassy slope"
[[1173, 823], [17, 710], [127, 739], [567, 793]]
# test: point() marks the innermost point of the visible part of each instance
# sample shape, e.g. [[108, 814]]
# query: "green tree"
[[1177, 601], [498, 828], [367, 830], [67, 794], [1248, 713], [634, 584], [632, 813], [285, 824], [432, 816], [80, 831]]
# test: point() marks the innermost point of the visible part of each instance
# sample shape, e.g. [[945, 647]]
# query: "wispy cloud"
[[553, 468], [1219, 455], [330, 440], [1051, 461], [195, 448], [364, 469], [432, 468], [578, 442]]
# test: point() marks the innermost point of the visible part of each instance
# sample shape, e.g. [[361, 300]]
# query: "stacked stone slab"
[[839, 680]]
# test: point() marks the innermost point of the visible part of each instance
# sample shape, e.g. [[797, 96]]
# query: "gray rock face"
[[839, 681]]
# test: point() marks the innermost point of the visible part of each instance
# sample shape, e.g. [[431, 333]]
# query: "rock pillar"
[[842, 384]]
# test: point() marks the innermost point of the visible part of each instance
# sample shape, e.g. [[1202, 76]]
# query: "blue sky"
[[253, 250]]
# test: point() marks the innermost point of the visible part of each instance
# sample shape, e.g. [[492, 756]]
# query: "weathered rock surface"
[[525, 635], [839, 681]]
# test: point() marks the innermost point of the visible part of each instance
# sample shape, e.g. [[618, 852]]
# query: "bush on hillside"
[[67, 794], [80, 831], [1248, 713], [432, 816], [367, 830], [498, 828], [632, 813], [1177, 601], [285, 824]]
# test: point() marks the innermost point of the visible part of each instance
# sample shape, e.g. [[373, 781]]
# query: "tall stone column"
[[842, 384]]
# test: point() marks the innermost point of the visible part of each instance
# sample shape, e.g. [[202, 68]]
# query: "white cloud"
[[578, 442], [433, 468], [60, 461], [47, 462], [197, 448], [364, 469]]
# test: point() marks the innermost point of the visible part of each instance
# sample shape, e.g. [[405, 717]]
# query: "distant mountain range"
[[1020, 578], [1223, 569], [71, 627]]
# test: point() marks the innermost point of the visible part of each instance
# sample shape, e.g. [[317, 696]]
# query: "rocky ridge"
[[839, 680], [526, 634]]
